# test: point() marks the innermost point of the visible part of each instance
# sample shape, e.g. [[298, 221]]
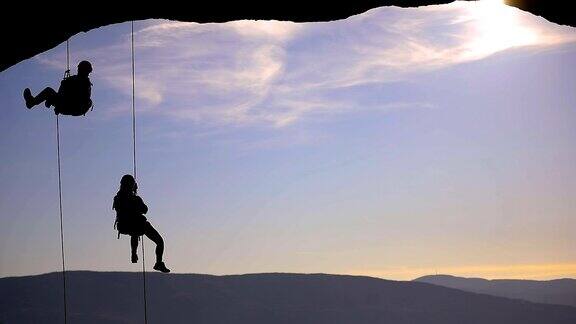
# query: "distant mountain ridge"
[[558, 291], [273, 298]]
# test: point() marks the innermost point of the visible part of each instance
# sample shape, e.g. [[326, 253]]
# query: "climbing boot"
[[29, 98], [160, 266]]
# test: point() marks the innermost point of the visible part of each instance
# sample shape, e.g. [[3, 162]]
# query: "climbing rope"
[[133, 105], [134, 165], [60, 193], [66, 74], [61, 217], [67, 58]]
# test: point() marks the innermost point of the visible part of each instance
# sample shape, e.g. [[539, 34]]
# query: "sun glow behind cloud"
[[495, 27]]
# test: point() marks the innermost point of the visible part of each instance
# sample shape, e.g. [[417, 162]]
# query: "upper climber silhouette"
[[73, 96]]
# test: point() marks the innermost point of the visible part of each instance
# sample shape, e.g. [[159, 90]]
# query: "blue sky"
[[394, 143]]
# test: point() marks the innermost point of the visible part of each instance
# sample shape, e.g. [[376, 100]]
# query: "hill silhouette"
[[559, 291], [115, 297]]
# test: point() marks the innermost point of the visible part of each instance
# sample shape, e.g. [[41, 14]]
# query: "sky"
[[395, 143]]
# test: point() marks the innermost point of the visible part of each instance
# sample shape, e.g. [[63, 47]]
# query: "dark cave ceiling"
[[30, 29]]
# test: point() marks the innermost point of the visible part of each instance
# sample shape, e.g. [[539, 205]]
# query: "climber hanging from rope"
[[130, 220], [73, 96]]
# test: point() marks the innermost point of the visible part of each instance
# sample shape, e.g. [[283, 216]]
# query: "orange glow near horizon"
[[516, 271]]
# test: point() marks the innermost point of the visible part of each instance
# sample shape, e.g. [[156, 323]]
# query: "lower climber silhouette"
[[130, 220], [73, 96]]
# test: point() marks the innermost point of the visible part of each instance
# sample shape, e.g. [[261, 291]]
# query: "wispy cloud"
[[277, 73]]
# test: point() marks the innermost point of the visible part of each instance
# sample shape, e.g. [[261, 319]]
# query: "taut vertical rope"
[[60, 196], [67, 55], [134, 164], [133, 106], [61, 217]]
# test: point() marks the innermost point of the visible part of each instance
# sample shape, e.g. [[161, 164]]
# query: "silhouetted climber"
[[130, 220], [73, 96]]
